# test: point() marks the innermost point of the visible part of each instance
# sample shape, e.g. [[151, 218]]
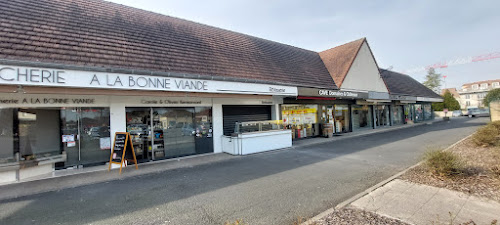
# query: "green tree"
[[433, 80], [493, 95], [449, 102]]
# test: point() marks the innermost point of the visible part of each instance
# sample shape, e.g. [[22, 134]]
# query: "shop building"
[[75, 72], [359, 100], [411, 100]]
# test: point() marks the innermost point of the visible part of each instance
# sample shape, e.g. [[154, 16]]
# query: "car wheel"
[[470, 116]]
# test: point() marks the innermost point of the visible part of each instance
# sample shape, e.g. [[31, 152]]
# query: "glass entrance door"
[[86, 135]]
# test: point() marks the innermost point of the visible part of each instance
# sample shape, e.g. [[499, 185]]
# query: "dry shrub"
[[444, 163], [236, 222], [487, 135]]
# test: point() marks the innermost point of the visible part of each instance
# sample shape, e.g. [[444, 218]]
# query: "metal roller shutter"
[[233, 114]]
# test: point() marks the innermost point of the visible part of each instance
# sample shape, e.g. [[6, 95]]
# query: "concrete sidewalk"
[[69, 178], [365, 132], [422, 204]]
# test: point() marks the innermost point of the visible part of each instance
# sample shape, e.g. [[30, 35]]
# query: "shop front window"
[[159, 133], [361, 117], [419, 113], [408, 113], [382, 117], [7, 135], [397, 114], [327, 120], [39, 133], [302, 119], [341, 118], [427, 111]]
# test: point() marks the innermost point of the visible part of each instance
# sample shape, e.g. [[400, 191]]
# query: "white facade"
[[364, 73]]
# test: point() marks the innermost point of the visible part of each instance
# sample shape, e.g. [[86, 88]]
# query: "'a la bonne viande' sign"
[[14, 75]]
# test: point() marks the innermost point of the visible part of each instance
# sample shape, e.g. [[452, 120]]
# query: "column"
[[218, 130], [117, 118]]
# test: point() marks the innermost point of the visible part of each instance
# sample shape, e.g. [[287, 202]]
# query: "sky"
[[402, 34]]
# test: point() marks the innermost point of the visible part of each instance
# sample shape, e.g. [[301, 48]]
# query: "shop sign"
[[425, 99], [47, 101], [337, 93], [314, 92], [403, 97], [87, 79], [170, 102], [378, 95]]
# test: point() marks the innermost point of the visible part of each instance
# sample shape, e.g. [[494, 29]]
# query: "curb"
[[372, 188]]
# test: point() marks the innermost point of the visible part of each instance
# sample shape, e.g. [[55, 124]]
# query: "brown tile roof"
[[402, 84], [468, 85], [95, 33], [338, 60]]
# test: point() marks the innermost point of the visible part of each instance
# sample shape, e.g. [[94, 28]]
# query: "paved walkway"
[[422, 204], [363, 132], [269, 188]]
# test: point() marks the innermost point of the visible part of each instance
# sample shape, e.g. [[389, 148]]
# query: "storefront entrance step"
[[78, 177]]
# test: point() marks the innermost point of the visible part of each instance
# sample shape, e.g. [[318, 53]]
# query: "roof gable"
[[95, 33], [338, 60], [364, 74]]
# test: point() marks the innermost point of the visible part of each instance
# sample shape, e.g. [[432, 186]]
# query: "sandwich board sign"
[[122, 151]]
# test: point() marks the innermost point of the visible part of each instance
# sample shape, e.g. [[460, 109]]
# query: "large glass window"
[[427, 111], [419, 112], [397, 114], [361, 117], [302, 119], [159, 133], [7, 135], [39, 133], [341, 118], [408, 113], [382, 115]]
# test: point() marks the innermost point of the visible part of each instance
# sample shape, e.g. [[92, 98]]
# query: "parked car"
[[456, 113], [479, 112]]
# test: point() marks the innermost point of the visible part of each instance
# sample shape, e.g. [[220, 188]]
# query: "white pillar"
[[217, 123], [117, 118], [275, 112]]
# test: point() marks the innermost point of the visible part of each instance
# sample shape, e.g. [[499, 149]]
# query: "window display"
[[341, 118], [302, 119], [159, 133], [427, 112], [382, 115], [7, 135], [397, 114], [419, 112], [361, 117]]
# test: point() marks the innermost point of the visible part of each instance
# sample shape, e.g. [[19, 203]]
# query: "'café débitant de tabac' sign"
[[15, 75]]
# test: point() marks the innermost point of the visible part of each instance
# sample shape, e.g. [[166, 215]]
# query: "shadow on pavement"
[[95, 202]]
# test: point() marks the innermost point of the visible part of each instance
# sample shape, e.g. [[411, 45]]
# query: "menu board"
[[122, 151]]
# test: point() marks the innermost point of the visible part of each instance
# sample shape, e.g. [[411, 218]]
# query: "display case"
[[257, 136], [258, 126]]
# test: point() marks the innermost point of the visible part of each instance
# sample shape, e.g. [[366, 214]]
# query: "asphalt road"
[[268, 188]]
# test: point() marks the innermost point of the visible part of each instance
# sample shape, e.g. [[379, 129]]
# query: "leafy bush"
[[443, 163], [493, 95], [487, 135]]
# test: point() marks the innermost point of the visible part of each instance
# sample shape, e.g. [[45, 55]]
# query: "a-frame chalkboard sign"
[[123, 149]]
